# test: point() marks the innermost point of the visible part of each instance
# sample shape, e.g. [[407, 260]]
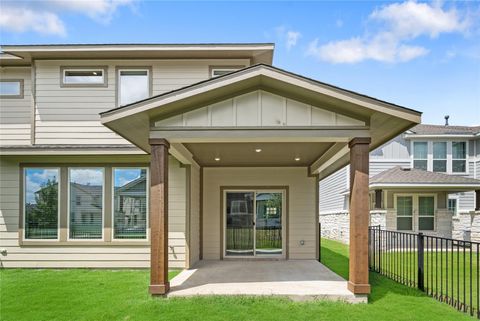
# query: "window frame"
[[417, 211], [458, 159], [439, 159], [455, 198], [396, 211], [103, 169], [147, 226], [231, 68], [23, 197], [422, 159], [63, 69], [22, 88], [119, 69]]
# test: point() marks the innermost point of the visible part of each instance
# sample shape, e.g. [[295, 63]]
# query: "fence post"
[[420, 253]]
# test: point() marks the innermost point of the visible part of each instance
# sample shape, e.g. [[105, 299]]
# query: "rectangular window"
[[85, 206], [404, 213], [426, 213], [222, 71], [11, 88], [459, 157], [83, 77], [420, 155], [41, 203], [134, 85], [440, 157], [130, 203], [452, 205]]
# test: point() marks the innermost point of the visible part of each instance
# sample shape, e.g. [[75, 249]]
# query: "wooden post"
[[378, 199], [159, 217], [359, 215], [477, 200]]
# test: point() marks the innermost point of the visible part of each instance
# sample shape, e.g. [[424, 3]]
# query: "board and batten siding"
[[102, 255], [16, 113], [301, 205], [70, 115]]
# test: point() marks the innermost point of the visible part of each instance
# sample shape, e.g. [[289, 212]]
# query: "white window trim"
[[415, 211], [457, 199], [147, 226], [449, 155], [103, 69], [440, 159], [131, 68], [24, 203], [68, 205]]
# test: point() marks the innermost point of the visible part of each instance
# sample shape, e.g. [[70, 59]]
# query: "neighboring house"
[[423, 180], [165, 155]]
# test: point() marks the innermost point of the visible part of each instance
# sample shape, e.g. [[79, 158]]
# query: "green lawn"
[[122, 295]]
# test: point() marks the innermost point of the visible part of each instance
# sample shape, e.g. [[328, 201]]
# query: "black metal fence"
[[444, 268]]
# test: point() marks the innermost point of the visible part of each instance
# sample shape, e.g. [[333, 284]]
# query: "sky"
[[421, 55]]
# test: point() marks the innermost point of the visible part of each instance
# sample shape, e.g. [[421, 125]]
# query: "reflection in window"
[[420, 154], [86, 203], [130, 203], [426, 212], [404, 213], [41, 203], [440, 157], [459, 157], [10, 88], [134, 86], [83, 77]]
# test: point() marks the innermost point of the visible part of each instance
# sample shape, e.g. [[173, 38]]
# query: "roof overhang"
[[17, 55], [427, 186], [383, 120]]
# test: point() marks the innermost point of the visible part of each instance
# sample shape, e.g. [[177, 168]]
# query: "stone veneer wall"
[[466, 226]]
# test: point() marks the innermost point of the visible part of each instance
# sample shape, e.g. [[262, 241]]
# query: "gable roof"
[[411, 177], [424, 129]]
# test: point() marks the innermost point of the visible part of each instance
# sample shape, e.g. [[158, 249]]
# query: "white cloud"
[[43, 17], [400, 23], [292, 38], [86, 176], [18, 19]]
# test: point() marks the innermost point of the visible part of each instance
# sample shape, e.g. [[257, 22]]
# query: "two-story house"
[[161, 156], [422, 180]]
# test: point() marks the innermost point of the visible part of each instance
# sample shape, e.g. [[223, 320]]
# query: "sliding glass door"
[[253, 223]]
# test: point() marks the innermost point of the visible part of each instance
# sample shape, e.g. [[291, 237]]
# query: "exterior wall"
[[194, 222], [301, 205], [331, 196], [16, 113], [100, 255], [466, 226], [66, 115]]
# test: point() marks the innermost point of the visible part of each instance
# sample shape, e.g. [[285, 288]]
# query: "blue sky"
[[422, 55]]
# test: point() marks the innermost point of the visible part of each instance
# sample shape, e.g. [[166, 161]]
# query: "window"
[[426, 213], [452, 205], [219, 71], [404, 213], [86, 218], [130, 203], [440, 157], [133, 85], [11, 88], [459, 157], [74, 76], [420, 155], [41, 203]]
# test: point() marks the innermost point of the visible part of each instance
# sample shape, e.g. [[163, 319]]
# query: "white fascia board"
[[439, 136], [420, 185]]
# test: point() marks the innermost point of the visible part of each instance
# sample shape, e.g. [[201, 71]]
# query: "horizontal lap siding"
[[301, 207], [331, 189], [71, 115], [16, 114], [97, 256], [194, 249]]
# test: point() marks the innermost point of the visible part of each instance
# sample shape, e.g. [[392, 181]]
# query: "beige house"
[[226, 149]]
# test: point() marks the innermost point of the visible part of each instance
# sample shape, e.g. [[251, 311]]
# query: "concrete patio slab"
[[297, 279]]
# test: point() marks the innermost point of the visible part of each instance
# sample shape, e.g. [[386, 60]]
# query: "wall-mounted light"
[[217, 159], [258, 150], [297, 159]]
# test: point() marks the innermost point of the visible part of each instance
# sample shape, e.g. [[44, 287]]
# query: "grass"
[[83, 294]]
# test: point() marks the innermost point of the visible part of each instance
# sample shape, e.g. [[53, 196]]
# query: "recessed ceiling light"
[[258, 150], [217, 159], [297, 159]]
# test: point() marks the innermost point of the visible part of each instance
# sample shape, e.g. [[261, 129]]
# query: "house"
[[167, 155], [424, 180]]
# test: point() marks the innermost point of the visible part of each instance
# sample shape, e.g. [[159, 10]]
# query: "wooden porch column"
[[359, 215], [477, 200], [159, 217]]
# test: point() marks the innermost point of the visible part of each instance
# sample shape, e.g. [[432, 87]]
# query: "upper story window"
[[459, 157], [133, 85], [220, 71], [440, 157], [83, 76], [11, 88], [420, 155]]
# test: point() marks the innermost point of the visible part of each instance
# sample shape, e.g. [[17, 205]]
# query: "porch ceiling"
[[245, 154]]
